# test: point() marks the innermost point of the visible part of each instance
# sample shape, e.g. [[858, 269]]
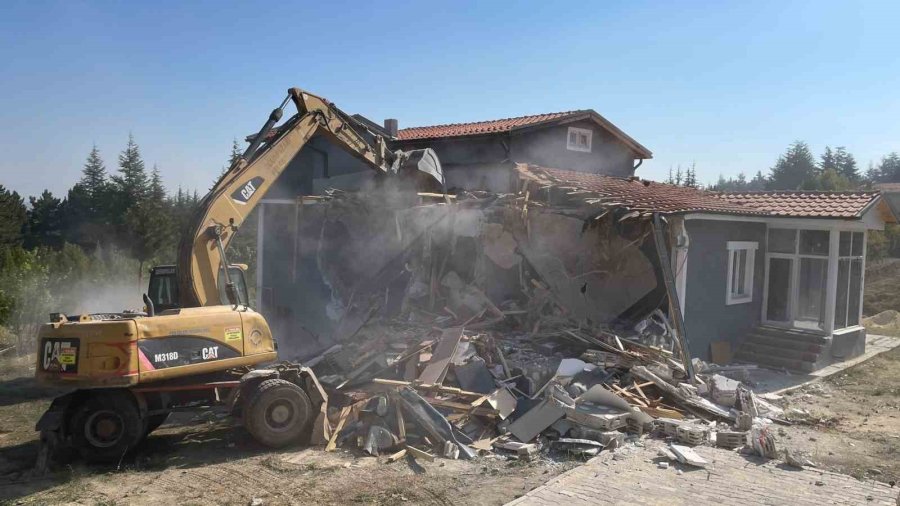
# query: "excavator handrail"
[[240, 189]]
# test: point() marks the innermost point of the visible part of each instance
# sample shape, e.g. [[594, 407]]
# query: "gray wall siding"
[[547, 147], [306, 173], [707, 317]]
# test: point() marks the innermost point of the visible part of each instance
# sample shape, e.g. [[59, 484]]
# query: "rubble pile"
[[512, 325], [457, 393]]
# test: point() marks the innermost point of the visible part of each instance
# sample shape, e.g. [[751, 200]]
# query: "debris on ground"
[[517, 326]]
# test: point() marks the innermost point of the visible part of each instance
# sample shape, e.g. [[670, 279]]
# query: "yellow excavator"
[[197, 341]]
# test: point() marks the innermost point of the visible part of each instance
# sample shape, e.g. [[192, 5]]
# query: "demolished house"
[[550, 309]]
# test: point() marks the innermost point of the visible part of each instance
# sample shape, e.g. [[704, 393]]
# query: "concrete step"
[[792, 334], [785, 343], [780, 352], [774, 361]]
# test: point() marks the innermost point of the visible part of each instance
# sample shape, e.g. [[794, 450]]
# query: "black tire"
[[105, 425], [154, 421], [278, 413]]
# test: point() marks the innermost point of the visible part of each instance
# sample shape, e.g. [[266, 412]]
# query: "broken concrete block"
[[723, 390], [743, 421], [609, 439], [692, 434], [668, 426], [451, 450], [579, 446], [686, 455], [598, 417], [731, 439]]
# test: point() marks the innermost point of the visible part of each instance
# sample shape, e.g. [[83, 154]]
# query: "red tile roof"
[[643, 195], [805, 204], [510, 124], [637, 194], [480, 127]]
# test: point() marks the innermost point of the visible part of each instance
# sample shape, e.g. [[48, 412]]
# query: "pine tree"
[[794, 170], [690, 178], [148, 222], [827, 161], [679, 176], [236, 153], [13, 217], [93, 175], [845, 164], [758, 183], [131, 181], [889, 168], [45, 222], [670, 179]]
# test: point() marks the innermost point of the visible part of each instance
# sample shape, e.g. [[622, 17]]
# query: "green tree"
[[888, 170], [13, 217], [148, 223], [690, 177], [794, 170], [845, 164], [45, 222], [131, 181]]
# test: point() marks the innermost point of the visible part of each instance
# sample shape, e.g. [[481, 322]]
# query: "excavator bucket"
[[424, 166]]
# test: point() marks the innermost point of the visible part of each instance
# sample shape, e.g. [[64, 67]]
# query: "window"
[[740, 272], [579, 139], [849, 279]]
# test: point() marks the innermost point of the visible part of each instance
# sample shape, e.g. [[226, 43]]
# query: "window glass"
[[840, 303], [854, 292], [782, 240], [811, 300], [844, 249], [814, 242], [858, 242]]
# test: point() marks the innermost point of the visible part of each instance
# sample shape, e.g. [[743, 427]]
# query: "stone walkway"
[[634, 477]]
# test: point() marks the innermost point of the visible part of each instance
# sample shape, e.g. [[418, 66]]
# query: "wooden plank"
[[437, 367], [397, 456], [459, 406], [401, 423], [332, 444], [427, 387], [675, 314], [419, 454]]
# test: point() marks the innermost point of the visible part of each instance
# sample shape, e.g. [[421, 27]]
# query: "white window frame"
[[588, 133], [734, 248]]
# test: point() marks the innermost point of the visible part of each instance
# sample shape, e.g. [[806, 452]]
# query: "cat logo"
[[60, 355], [210, 353], [243, 194]]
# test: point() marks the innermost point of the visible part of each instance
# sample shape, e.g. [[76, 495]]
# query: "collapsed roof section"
[[644, 197]]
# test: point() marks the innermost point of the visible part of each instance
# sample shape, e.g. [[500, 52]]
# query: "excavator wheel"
[[278, 413], [105, 425]]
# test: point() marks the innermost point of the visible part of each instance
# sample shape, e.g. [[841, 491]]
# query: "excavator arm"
[[240, 189]]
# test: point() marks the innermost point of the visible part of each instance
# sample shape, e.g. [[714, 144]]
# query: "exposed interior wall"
[[707, 317], [330, 266]]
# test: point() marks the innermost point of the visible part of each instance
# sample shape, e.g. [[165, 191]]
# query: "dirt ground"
[[850, 422], [207, 461]]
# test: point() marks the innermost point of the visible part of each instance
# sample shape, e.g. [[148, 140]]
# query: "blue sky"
[[727, 85]]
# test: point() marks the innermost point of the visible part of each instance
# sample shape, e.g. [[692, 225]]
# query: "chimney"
[[392, 126]]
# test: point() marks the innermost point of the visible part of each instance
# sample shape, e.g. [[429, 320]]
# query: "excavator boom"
[[241, 188]]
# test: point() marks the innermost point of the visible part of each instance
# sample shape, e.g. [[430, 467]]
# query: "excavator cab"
[[163, 289]]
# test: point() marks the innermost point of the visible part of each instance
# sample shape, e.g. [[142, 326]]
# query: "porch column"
[[831, 284]]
